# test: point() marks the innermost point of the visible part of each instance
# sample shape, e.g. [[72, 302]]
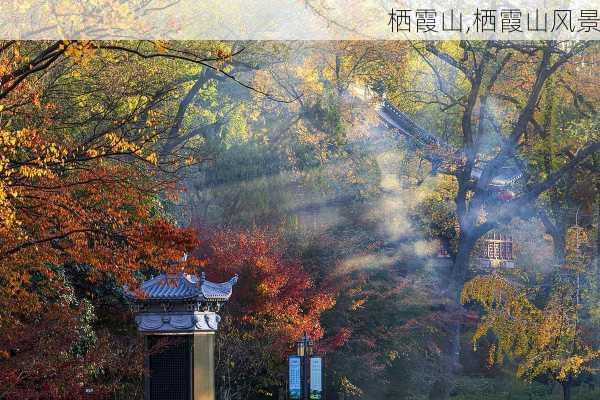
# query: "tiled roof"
[[182, 287], [211, 290], [505, 176], [401, 121]]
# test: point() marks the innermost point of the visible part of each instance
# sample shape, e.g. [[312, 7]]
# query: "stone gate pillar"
[[178, 316]]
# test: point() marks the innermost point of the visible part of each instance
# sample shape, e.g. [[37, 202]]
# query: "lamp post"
[[304, 351]]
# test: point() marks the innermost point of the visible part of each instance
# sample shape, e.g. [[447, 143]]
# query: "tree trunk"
[[560, 247], [459, 276], [461, 262], [557, 230], [443, 387], [566, 386]]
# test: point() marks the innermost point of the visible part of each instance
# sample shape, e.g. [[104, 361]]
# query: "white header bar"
[[300, 19]]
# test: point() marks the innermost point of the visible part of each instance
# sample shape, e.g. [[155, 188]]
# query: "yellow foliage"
[[80, 51], [542, 340], [119, 144], [152, 159], [34, 165], [356, 304], [190, 161]]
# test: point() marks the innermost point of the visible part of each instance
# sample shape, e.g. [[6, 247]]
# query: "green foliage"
[[325, 115], [500, 388], [435, 213], [505, 388]]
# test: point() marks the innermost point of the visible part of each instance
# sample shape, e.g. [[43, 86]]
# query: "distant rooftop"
[[506, 176], [182, 287]]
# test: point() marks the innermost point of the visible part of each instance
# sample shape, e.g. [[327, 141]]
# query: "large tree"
[[86, 155], [545, 341], [498, 116]]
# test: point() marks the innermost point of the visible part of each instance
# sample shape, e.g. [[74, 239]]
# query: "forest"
[[428, 212]]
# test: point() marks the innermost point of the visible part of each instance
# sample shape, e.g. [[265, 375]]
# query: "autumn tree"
[[546, 340], [82, 174], [275, 301], [485, 142]]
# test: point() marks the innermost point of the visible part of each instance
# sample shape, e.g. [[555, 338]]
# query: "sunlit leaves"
[[80, 183], [543, 340]]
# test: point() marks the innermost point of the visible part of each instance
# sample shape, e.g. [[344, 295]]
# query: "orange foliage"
[[275, 295], [69, 200], [102, 217]]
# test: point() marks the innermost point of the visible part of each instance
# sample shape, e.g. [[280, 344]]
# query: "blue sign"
[[294, 381], [316, 381]]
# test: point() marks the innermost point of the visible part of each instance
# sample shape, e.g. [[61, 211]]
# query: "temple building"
[[495, 250], [177, 316]]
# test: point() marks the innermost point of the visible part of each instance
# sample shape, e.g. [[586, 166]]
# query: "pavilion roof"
[[181, 287]]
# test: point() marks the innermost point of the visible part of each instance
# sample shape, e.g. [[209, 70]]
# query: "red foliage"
[[340, 339], [102, 218], [274, 295]]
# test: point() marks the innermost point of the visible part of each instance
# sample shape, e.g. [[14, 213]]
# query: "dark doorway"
[[170, 367]]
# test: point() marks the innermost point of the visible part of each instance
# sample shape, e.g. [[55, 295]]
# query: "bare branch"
[[203, 61], [448, 59]]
